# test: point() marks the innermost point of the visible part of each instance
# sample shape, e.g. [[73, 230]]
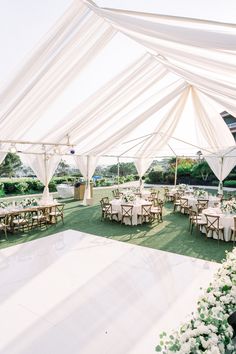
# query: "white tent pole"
[[220, 188], [176, 169], [118, 172]]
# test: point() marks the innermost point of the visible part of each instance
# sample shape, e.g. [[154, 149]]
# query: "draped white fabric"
[[73, 43], [2, 156], [165, 100], [86, 165], [203, 52], [44, 167], [222, 162], [142, 165]]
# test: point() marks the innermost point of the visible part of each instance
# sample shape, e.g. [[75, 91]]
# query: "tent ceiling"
[[73, 85]]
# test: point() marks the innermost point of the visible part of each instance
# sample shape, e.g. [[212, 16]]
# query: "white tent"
[[166, 99]]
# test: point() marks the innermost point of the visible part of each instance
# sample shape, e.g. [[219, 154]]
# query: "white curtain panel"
[[87, 165], [142, 165], [222, 162], [210, 124], [44, 167]]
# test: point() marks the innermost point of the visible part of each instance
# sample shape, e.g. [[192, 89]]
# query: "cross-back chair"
[[127, 212], [145, 215], [213, 225]]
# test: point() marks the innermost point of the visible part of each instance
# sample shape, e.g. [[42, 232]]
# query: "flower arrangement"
[[198, 193], [208, 330], [182, 186], [229, 206], [28, 202], [128, 197]]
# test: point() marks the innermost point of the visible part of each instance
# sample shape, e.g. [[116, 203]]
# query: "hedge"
[[230, 183], [30, 185]]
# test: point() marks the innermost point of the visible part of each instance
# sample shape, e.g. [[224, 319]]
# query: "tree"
[[62, 168], [126, 168], [10, 165], [203, 170]]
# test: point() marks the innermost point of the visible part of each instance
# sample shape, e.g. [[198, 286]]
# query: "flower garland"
[[208, 330]]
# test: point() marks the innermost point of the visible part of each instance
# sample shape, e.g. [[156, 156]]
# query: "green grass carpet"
[[171, 235]]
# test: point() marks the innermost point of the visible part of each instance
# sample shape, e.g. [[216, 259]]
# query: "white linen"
[[226, 220], [65, 191], [137, 204]]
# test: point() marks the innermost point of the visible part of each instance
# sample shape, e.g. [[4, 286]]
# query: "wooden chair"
[[184, 207], [168, 197], [233, 230], [145, 215], [117, 194], [109, 213], [195, 220], [202, 203], [56, 212], [157, 210], [40, 217], [213, 225], [138, 194], [21, 221], [126, 212], [177, 203], [4, 224], [103, 208], [105, 200]]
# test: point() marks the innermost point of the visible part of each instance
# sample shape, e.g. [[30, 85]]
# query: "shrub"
[[52, 186], [230, 183], [21, 187], [9, 187]]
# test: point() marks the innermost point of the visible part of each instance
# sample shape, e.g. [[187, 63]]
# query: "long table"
[[13, 212]]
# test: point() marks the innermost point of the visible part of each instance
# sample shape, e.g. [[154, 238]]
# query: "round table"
[[226, 220], [137, 204]]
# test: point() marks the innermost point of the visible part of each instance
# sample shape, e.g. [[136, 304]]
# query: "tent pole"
[[118, 172], [176, 169]]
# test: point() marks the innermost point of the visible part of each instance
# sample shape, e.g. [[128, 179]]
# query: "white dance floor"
[[75, 293]]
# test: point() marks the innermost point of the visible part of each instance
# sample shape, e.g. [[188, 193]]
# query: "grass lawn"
[[171, 235]]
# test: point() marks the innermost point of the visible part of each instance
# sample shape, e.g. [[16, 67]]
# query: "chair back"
[[107, 208], [127, 210], [184, 202], [213, 222], [105, 200], [203, 203], [146, 210]]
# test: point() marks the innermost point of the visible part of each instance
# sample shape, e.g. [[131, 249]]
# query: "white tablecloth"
[[65, 191], [192, 200], [116, 206], [226, 220]]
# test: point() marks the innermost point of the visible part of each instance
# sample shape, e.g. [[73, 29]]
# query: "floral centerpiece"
[[182, 186], [229, 206], [199, 193], [28, 202], [208, 330], [128, 197]]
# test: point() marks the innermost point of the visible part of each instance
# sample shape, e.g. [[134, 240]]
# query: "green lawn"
[[171, 235]]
